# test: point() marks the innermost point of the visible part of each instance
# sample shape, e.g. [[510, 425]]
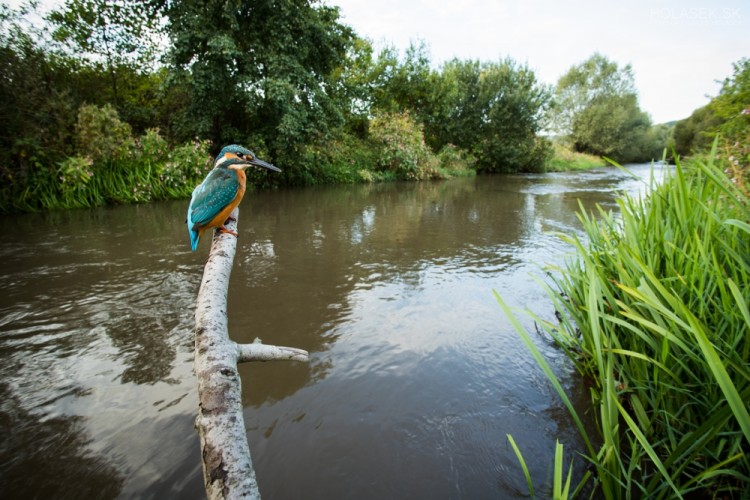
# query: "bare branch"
[[227, 465], [261, 352]]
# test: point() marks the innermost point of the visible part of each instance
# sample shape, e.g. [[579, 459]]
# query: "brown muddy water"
[[415, 376]]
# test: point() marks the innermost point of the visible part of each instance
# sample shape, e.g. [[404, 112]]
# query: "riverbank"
[[654, 313], [564, 160], [123, 170]]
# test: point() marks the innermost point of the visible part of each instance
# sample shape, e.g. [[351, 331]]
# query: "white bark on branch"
[[227, 467], [261, 352]]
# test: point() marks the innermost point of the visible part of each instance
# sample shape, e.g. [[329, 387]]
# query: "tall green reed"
[[654, 312]]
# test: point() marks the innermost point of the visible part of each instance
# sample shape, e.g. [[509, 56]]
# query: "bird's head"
[[238, 158]]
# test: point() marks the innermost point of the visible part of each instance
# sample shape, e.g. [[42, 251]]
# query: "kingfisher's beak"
[[260, 163]]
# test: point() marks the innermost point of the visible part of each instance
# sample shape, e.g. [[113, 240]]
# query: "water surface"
[[415, 376]]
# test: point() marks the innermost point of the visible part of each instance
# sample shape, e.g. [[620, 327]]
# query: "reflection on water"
[[415, 377]]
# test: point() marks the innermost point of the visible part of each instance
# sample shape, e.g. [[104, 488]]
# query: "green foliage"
[[402, 150], [732, 105], [737, 155], [404, 85], [100, 134], [613, 127], [141, 170], [597, 78], [655, 315], [284, 77], [596, 108], [115, 44], [514, 105], [455, 162], [180, 169], [122, 32], [354, 85], [493, 110], [559, 491], [692, 134], [656, 140], [35, 111], [75, 172], [41, 96], [258, 72], [564, 159], [344, 160], [728, 115]]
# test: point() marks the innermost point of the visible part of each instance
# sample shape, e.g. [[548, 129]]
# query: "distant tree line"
[[98, 84]]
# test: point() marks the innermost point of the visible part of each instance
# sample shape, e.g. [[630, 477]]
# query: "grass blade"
[[523, 464]]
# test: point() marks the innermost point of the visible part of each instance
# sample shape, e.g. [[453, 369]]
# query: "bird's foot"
[[222, 229]]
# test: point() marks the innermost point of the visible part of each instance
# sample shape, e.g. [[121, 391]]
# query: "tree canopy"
[[727, 115], [596, 109], [495, 110], [258, 72], [595, 79]]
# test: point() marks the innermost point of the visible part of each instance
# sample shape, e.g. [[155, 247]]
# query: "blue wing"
[[216, 191]]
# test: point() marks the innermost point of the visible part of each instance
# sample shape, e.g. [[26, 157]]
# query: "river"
[[415, 375]]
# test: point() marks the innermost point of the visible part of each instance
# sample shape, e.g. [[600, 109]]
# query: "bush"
[[183, 167], [100, 134], [340, 161], [116, 169], [455, 162], [401, 147]]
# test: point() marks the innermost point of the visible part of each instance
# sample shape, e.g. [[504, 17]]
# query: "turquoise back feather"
[[216, 191]]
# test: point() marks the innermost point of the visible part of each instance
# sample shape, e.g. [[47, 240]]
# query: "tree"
[[732, 105], [36, 109], [387, 84], [612, 126], [727, 114], [261, 73], [494, 110], [596, 109], [692, 133], [353, 82], [113, 33], [407, 83], [455, 106], [594, 79]]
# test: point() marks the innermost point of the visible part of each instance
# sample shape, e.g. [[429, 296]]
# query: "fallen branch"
[[227, 466]]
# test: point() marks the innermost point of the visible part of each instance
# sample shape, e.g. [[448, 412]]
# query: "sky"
[[680, 51]]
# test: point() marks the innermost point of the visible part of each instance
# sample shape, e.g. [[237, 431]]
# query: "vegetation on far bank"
[[564, 159], [307, 94]]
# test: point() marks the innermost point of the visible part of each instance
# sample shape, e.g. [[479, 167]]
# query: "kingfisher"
[[221, 191]]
